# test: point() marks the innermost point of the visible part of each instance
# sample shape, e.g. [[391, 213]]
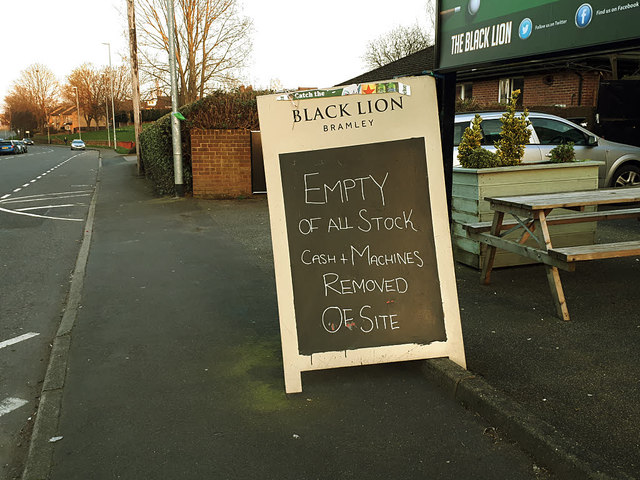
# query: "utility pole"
[[135, 82], [175, 122]]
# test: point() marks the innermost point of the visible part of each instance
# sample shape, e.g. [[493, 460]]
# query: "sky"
[[299, 43]]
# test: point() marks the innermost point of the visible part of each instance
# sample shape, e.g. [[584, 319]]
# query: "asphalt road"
[[44, 199]]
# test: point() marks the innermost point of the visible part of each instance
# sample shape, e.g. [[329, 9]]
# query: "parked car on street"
[[621, 162], [19, 147], [7, 147], [23, 146], [77, 145], [27, 141]]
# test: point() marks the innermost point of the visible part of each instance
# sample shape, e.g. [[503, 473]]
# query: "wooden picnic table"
[[531, 216]]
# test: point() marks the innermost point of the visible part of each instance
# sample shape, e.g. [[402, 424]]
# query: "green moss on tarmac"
[[256, 371]]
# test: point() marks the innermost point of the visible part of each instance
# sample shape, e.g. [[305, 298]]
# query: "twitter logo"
[[525, 29]]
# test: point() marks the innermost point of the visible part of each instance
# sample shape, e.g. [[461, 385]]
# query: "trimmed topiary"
[[514, 134], [482, 158], [471, 140], [563, 153]]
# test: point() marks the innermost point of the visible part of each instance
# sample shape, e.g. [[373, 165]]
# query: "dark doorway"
[[258, 182], [619, 111]]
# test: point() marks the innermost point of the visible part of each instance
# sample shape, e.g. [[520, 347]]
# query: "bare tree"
[[35, 91], [212, 44], [430, 15], [19, 112], [93, 90], [394, 45], [402, 41], [121, 84]]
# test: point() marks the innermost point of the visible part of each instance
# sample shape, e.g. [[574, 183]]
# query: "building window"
[[464, 91], [507, 86]]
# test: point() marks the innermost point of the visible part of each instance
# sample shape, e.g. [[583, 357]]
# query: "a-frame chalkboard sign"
[[362, 251]]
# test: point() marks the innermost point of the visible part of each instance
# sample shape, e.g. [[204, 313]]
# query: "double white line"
[[44, 197]]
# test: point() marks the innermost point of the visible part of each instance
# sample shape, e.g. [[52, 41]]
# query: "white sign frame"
[[283, 132]]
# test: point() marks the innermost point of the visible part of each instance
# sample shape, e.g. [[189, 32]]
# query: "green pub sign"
[[473, 32]]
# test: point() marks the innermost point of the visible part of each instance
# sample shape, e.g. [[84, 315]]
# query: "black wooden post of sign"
[[447, 108]]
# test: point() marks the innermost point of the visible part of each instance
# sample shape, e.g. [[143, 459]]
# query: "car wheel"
[[627, 176]]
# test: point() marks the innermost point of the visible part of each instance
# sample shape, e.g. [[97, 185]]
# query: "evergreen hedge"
[[221, 110]]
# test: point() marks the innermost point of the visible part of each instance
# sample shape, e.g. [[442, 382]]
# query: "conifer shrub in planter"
[[471, 141], [563, 153], [485, 174], [482, 158], [514, 134]]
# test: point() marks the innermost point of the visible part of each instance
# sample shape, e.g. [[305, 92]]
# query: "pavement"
[[167, 364]]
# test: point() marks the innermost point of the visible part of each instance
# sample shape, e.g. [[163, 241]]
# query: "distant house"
[[62, 118], [160, 102], [156, 101], [65, 118]]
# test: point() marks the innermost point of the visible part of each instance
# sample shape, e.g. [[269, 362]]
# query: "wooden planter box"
[[471, 186]]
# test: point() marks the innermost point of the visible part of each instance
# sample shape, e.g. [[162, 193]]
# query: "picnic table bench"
[[531, 216]]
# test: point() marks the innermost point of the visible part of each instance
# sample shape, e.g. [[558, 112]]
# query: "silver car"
[[621, 162], [19, 146], [77, 144]]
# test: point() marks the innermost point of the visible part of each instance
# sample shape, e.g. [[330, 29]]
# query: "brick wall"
[[560, 88], [221, 163], [486, 91]]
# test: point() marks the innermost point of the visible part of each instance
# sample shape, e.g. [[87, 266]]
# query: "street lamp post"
[[113, 110], [175, 123], [78, 107], [106, 109]]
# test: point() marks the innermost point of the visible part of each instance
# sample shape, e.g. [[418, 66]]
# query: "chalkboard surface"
[[361, 246]]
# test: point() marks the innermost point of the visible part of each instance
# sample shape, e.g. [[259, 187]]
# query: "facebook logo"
[[584, 14]]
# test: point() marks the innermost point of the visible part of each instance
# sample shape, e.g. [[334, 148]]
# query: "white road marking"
[[49, 206], [40, 216], [10, 404], [5, 198], [48, 196], [21, 338]]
